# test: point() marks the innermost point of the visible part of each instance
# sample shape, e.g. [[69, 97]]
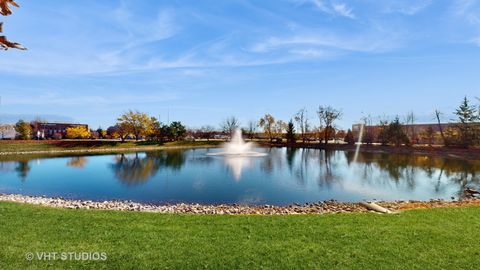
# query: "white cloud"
[[468, 11], [330, 7], [362, 42], [311, 53], [407, 7], [53, 98], [343, 10]]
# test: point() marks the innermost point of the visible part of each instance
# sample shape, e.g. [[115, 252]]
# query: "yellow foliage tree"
[[78, 133]]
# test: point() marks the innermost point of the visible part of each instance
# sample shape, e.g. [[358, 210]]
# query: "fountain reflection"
[[237, 165]]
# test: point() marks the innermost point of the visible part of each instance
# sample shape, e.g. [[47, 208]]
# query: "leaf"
[[5, 8], [5, 44]]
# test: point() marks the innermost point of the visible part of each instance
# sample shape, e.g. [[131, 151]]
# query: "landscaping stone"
[[234, 209]]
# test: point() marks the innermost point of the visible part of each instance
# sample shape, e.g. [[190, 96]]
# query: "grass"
[[28, 146], [418, 239]]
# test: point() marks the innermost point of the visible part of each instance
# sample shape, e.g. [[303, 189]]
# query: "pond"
[[285, 176]]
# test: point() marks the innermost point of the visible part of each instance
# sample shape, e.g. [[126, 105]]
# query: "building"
[[52, 130], [416, 131], [7, 132]]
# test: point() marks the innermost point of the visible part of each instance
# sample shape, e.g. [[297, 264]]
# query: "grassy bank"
[[32, 146], [428, 239]]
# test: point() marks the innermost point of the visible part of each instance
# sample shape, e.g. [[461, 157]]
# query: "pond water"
[[285, 176]]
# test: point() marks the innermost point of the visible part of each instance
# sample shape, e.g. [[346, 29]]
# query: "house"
[[7, 132]]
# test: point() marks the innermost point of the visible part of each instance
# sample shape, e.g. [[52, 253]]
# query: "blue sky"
[[202, 61]]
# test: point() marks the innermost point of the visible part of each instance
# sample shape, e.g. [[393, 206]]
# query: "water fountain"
[[238, 147], [238, 154]]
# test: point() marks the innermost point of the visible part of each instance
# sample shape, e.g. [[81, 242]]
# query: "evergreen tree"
[[396, 133], [467, 117], [349, 137], [291, 132]]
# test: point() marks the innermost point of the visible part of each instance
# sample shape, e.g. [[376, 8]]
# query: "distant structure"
[[7, 132], [52, 130], [419, 131]]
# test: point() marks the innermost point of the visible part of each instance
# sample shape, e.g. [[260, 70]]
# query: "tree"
[[78, 132], [5, 10], [438, 115], [467, 117], [327, 116], [268, 123], [23, 129], [156, 131], [177, 131], [383, 132], [137, 123], [302, 121], [396, 133], [291, 132], [229, 125], [279, 128], [101, 133], [120, 130], [368, 137], [251, 129], [349, 137], [429, 134], [207, 132], [410, 120]]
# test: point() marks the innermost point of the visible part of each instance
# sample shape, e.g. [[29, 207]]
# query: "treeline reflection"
[[138, 168], [325, 168]]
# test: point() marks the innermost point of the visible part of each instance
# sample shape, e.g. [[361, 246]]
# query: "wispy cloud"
[[343, 10], [406, 7], [469, 12], [363, 42], [330, 7], [58, 99]]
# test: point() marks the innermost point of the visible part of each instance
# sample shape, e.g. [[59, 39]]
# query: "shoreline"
[[106, 150], [323, 207]]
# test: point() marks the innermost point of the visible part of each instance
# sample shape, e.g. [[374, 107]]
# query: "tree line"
[[463, 131]]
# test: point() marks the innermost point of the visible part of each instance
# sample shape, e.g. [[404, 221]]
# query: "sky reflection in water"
[[283, 177]]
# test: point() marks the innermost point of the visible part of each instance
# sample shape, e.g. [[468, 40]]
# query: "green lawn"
[[27, 146], [420, 239]]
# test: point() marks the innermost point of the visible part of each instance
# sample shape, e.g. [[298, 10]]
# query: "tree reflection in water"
[[23, 168], [138, 168], [406, 168], [77, 162]]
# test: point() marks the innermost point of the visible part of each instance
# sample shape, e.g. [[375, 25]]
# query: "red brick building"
[[52, 130]]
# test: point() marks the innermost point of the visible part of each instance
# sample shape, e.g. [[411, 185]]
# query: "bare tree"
[[230, 124], [5, 10], [252, 129], [207, 132], [302, 121], [410, 121], [438, 115], [327, 116]]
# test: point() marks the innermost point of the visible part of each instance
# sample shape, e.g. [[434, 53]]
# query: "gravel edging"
[[324, 207]]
